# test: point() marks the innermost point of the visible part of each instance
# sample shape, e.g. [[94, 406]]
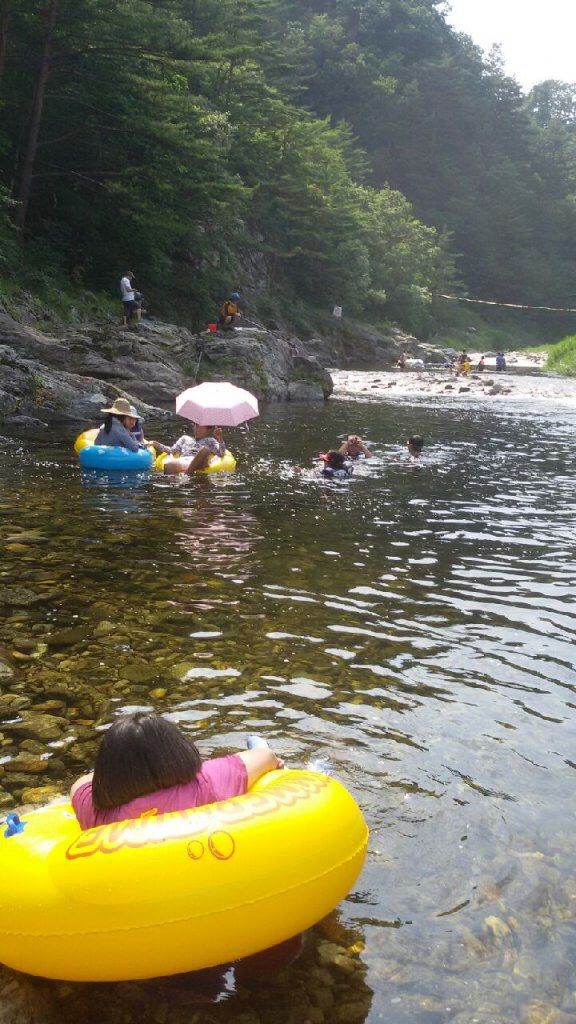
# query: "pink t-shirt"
[[218, 779]]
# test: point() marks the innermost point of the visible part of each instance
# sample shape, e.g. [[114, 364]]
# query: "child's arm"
[[259, 762]]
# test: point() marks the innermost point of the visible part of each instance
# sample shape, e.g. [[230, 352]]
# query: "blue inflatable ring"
[[99, 456]]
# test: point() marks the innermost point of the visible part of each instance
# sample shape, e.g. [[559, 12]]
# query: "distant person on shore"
[[463, 364], [415, 445], [353, 447], [193, 452], [500, 362], [401, 362], [130, 305], [229, 313], [481, 366]]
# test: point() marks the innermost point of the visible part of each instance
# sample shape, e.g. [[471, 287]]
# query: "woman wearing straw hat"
[[117, 430]]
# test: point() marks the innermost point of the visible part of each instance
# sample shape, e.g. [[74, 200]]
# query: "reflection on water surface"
[[414, 628]]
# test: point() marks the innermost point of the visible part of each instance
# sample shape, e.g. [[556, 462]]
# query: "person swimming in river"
[[415, 445], [353, 447], [335, 466], [189, 454]]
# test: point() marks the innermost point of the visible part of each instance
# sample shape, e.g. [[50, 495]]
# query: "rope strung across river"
[[506, 305]]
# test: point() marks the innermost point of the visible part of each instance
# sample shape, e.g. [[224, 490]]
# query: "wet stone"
[[324, 998], [33, 747], [38, 727], [28, 763], [103, 629], [51, 705], [6, 672], [40, 794], [140, 672], [351, 1012], [27, 537], [335, 956], [24, 644], [19, 597], [542, 1013], [12, 704], [67, 637]]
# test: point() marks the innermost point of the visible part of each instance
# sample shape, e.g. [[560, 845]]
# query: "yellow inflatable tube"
[[218, 464], [84, 439], [177, 892]]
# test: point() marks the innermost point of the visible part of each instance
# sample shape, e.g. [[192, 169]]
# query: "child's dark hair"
[[416, 442], [139, 754], [335, 459]]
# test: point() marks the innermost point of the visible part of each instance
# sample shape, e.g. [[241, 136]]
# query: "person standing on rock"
[[130, 307]]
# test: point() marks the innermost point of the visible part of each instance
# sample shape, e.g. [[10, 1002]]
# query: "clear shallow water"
[[414, 628]]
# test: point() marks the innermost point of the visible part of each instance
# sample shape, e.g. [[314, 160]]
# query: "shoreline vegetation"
[[367, 157], [560, 357]]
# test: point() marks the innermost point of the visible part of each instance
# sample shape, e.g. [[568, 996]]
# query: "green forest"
[[309, 152]]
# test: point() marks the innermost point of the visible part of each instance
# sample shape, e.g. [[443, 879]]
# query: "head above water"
[[140, 754], [354, 441], [333, 459], [415, 444]]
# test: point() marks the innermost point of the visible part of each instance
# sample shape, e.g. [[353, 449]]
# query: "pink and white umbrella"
[[217, 403]]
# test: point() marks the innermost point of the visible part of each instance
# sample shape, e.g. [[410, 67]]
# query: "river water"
[[412, 630]]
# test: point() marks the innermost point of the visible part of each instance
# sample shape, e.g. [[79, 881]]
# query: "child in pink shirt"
[[147, 765]]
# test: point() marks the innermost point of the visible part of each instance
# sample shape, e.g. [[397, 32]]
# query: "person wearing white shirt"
[[130, 308]]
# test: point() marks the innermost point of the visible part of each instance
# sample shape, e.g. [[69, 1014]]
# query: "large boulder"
[[267, 364]]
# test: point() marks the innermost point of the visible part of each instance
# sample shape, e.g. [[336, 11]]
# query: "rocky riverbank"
[[523, 382], [47, 379], [72, 373], [64, 373]]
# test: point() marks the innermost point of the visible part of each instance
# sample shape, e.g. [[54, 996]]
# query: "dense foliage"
[[562, 357], [327, 151]]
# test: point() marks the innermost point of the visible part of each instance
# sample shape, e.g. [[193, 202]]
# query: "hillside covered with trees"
[[312, 152]]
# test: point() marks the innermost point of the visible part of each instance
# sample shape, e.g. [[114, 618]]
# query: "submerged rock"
[[19, 597], [38, 727]]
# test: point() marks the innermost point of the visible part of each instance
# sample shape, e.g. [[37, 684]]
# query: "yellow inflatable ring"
[[84, 439], [177, 892], [218, 464]]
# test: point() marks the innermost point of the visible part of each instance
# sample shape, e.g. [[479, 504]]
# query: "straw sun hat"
[[122, 407]]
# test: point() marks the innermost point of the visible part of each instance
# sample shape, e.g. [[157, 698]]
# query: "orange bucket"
[[212, 328]]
